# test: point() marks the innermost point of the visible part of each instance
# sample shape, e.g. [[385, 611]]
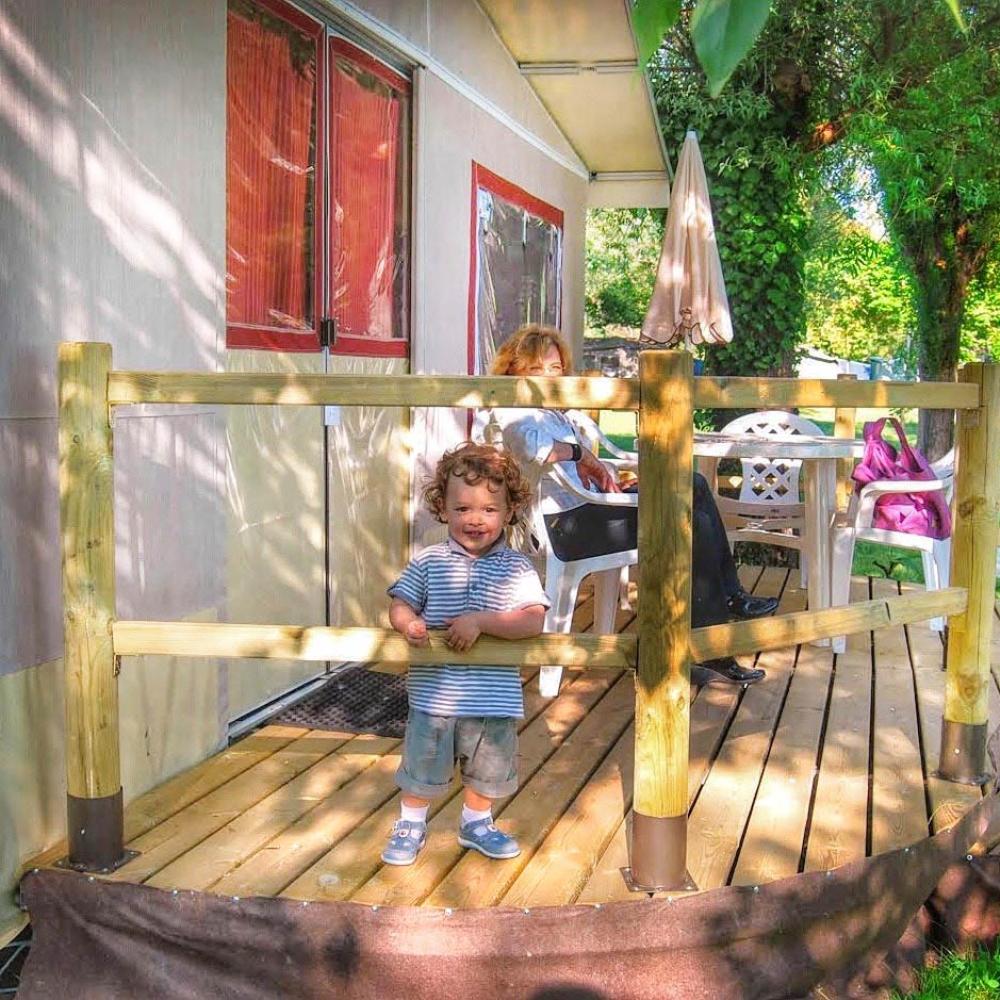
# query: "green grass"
[[886, 560], [956, 977]]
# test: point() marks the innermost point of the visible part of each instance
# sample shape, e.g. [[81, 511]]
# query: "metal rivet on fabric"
[[447, 912], [527, 912]]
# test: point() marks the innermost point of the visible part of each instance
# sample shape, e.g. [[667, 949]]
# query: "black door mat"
[[355, 701]]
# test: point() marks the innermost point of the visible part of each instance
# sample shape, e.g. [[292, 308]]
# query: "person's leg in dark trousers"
[[709, 605], [715, 544], [593, 529], [708, 594], [715, 547]]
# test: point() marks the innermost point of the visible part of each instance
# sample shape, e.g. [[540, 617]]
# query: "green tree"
[[623, 247], [761, 171], [923, 108], [859, 294]]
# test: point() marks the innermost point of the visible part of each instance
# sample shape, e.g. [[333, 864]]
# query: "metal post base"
[[96, 834], [963, 753], [659, 854]]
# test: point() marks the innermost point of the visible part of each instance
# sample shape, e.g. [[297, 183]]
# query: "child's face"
[[475, 514]]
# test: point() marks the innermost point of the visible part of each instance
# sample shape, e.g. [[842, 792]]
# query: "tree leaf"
[[651, 20], [956, 12], [723, 31]]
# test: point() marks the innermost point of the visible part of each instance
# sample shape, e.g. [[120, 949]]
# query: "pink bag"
[[912, 513]]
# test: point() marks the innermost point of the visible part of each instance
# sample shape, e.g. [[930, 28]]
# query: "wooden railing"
[[661, 653]]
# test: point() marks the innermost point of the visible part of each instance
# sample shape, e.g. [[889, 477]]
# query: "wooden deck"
[[823, 762]]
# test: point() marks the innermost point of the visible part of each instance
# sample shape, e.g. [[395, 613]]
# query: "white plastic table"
[[819, 456]]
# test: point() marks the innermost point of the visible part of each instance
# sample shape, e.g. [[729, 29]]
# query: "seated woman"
[[538, 438]]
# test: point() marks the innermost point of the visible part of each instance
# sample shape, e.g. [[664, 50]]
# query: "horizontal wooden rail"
[[735, 638], [373, 390], [574, 651], [126, 387], [363, 645], [783, 393]]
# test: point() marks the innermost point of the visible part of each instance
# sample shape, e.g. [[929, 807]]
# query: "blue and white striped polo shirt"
[[443, 582]]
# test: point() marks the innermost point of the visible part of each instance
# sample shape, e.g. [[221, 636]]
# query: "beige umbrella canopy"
[[689, 304]]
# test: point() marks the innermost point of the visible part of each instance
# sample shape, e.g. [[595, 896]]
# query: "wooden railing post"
[[973, 565], [86, 488], [843, 427], [663, 677]]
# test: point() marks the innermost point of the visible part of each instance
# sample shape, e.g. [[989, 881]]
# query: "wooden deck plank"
[[772, 844], [352, 861], [899, 815], [170, 839], [562, 864], [212, 859], [711, 711], [719, 817], [160, 803], [949, 801], [294, 849], [712, 708], [838, 830], [606, 884], [477, 881]]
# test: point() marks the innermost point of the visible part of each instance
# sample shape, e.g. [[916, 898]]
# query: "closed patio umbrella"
[[689, 304]]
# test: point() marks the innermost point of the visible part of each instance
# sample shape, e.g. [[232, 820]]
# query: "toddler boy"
[[472, 584]]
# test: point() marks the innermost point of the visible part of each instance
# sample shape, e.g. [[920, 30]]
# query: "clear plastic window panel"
[[518, 261]]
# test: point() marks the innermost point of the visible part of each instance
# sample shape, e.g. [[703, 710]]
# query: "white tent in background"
[[689, 304]]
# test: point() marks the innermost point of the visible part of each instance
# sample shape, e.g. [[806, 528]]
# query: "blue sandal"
[[483, 836], [405, 841]]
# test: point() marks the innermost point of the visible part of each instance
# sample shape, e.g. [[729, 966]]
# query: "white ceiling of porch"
[[580, 58]]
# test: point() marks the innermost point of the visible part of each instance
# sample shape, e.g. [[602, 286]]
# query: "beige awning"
[[580, 58]]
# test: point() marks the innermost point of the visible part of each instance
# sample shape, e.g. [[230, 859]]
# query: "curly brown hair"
[[474, 462], [527, 345]]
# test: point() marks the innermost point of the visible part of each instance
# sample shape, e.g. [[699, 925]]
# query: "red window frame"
[[241, 335], [346, 344], [503, 188]]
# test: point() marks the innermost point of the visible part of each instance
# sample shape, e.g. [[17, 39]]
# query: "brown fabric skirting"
[[848, 932]]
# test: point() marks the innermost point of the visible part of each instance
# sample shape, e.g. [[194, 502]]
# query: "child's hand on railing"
[[416, 633], [463, 631]]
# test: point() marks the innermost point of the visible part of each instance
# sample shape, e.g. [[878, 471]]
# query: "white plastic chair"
[[768, 509], [591, 430], [856, 525], [563, 578]]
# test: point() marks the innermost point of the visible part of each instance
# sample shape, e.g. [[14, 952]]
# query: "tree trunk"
[[943, 265]]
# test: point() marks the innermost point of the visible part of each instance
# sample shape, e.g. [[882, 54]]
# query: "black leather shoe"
[[700, 676], [729, 671], [744, 605]]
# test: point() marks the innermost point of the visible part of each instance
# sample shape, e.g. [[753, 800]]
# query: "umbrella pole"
[[663, 676]]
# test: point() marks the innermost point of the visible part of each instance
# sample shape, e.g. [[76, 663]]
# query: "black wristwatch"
[[576, 452]]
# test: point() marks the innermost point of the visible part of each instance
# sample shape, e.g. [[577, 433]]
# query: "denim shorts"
[[485, 748]]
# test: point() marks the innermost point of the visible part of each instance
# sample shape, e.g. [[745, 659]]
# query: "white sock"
[[475, 815], [413, 814]]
